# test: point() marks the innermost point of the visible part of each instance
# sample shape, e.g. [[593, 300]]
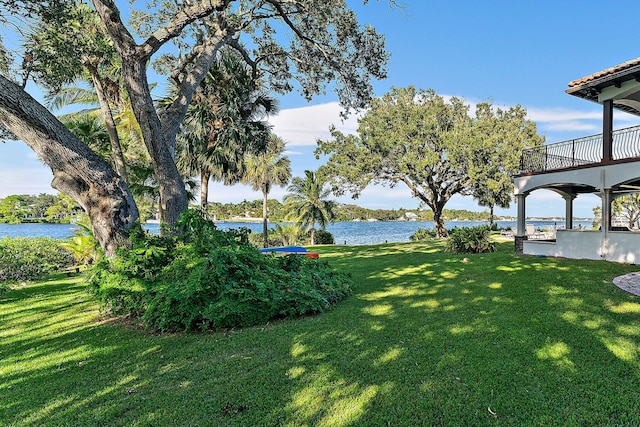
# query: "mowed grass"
[[425, 339]]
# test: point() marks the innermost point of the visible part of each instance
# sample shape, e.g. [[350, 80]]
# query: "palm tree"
[[90, 130], [288, 234], [307, 200], [223, 123], [267, 168]]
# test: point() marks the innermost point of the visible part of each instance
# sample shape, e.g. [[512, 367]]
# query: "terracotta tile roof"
[[609, 72]]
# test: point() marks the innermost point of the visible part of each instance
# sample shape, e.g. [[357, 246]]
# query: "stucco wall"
[[618, 246]]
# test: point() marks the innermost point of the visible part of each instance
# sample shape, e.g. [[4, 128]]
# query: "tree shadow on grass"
[[501, 339], [426, 339]]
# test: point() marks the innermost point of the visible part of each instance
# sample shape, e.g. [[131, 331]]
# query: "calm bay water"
[[350, 233]]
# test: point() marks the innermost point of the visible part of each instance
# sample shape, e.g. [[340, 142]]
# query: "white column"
[[606, 209], [568, 216], [521, 229]]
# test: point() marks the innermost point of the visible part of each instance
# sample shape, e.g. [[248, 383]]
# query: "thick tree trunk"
[[78, 171], [265, 219], [159, 135], [438, 221], [173, 196]]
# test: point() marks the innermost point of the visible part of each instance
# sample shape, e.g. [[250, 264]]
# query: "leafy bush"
[[323, 237], [423, 234], [23, 258], [82, 245], [257, 240], [471, 240], [203, 278]]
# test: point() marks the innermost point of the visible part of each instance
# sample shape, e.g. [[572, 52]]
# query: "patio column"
[[568, 216], [521, 229], [607, 130], [606, 210]]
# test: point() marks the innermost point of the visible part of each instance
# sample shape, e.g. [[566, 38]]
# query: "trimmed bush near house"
[[24, 259], [470, 240], [204, 278]]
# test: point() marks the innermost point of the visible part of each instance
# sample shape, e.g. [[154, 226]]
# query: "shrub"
[[257, 240], [423, 234], [323, 237], [470, 240], [23, 258], [82, 245], [204, 278]]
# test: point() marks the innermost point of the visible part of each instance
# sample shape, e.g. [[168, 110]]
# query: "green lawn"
[[425, 339]]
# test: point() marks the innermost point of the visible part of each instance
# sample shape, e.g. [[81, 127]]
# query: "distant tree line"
[[62, 209], [15, 209]]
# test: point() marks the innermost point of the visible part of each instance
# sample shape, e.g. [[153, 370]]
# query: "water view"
[[345, 233]]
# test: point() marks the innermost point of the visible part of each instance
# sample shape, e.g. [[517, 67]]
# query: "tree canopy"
[[503, 135], [306, 45], [417, 138]]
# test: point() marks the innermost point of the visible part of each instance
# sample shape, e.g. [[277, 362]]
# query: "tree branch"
[[179, 22]]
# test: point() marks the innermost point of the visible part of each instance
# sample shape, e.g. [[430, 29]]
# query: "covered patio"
[[607, 165]]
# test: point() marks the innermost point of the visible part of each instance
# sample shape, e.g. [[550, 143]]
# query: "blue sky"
[[508, 52]]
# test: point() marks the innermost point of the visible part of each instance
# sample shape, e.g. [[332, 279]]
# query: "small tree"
[[502, 136], [307, 201], [264, 170], [628, 207]]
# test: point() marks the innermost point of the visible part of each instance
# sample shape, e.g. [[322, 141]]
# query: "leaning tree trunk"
[[78, 171], [116, 148]]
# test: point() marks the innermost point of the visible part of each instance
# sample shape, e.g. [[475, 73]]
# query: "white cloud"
[[571, 126], [586, 122], [303, 126], [561, 115]]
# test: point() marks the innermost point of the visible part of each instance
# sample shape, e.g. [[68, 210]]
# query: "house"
[[607, 165]]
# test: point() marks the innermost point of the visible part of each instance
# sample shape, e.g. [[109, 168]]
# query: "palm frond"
[[70, 96]]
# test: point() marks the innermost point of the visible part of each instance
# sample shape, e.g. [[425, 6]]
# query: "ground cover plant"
[[425, 339], [203, 278], [29, 258]]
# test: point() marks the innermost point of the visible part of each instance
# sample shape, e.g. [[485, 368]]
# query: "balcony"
[[580, 152]]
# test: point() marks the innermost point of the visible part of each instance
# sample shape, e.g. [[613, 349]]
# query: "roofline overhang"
[[591, 87]]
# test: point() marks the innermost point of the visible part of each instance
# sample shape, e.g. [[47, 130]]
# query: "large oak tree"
[[312, 42], [429, 144]]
